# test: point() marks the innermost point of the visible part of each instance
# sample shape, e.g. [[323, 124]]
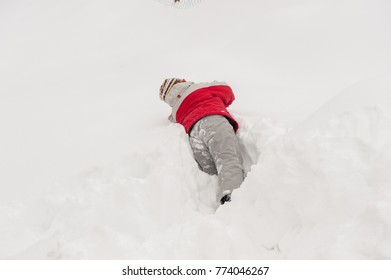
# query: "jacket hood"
[[176, 92]]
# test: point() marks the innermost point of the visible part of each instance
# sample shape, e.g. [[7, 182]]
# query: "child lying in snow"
[[201, 109]]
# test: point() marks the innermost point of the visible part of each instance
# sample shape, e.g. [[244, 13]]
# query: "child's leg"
[[201, 151], [225, 149], [216, 135]]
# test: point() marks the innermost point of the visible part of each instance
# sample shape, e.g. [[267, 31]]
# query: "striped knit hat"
[[167, 86]]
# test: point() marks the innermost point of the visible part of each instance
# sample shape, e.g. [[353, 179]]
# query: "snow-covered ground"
[[90, 167]]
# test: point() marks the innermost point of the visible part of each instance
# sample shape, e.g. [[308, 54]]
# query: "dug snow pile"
[[323, 193]]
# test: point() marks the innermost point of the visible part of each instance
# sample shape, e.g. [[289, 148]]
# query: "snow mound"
[[325, 194], [319, 194]]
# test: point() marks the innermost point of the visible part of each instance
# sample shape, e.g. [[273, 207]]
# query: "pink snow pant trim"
[[216, 150]]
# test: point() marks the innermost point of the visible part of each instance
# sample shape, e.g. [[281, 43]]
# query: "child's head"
[[167, 86]]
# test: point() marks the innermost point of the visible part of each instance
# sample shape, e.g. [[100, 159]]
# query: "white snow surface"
[[90, 167]]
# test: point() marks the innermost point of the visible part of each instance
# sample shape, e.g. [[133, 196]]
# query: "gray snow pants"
[[216, 150]]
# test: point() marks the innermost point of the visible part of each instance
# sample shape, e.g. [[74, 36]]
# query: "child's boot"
[[226, 197]]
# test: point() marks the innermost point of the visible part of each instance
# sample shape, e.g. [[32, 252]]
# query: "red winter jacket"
[[191, 102]]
